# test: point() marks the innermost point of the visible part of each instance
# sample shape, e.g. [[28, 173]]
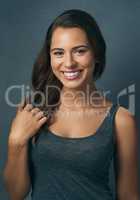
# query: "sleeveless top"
[[64, 168]]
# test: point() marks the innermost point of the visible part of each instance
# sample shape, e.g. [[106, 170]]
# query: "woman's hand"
[[26, 123]]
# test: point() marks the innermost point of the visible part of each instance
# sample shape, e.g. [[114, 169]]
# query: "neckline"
[[95, 134]]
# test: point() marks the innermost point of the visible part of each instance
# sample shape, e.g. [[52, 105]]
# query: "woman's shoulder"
[[125, 123], [124, 116]]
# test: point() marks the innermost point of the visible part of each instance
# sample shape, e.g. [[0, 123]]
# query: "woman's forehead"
[[64, 36]]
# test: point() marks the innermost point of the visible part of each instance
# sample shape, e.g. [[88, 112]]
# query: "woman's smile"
[[72, 75]]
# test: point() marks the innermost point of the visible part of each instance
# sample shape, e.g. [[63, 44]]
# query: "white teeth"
[[71, 74]]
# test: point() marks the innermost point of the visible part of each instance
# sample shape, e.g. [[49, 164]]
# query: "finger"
[[42, 121], [28, 107], [34, 111], [39, 115]]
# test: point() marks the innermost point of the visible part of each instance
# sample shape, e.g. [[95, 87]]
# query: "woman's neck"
[[80, 99]]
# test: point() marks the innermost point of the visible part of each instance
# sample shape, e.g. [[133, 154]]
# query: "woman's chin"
[[73, 84]]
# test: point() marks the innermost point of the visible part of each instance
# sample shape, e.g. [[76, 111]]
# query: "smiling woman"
[[75, 42], [75, 59], [67, 157]]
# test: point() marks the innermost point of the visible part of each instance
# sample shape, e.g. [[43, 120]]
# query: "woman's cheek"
[[55, 67], [56, 62], [87, 62]]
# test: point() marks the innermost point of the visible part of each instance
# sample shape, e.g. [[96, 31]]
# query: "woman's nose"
[[69, 60]]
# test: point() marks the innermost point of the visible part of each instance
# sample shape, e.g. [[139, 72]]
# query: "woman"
[[66, 153]]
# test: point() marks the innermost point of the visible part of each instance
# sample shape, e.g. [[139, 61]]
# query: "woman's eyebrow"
[[57, 49], [79, 46], [74, 48]]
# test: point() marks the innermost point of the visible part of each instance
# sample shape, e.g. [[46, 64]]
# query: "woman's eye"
[[58, 53], [81, 51]]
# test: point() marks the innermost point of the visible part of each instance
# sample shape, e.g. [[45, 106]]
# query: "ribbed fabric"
[[73, 168]]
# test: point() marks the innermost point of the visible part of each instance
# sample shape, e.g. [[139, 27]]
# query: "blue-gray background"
[[22, 31]]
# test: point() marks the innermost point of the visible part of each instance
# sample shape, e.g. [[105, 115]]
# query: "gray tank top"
[[73, 168]]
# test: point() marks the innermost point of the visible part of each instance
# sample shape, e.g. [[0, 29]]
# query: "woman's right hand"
[[26, 123]]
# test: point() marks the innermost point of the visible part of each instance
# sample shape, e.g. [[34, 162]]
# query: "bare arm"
[[26, 124], [16, 174], [127, 156]]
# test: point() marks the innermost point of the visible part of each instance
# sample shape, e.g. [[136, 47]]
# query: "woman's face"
[[72, 58]]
